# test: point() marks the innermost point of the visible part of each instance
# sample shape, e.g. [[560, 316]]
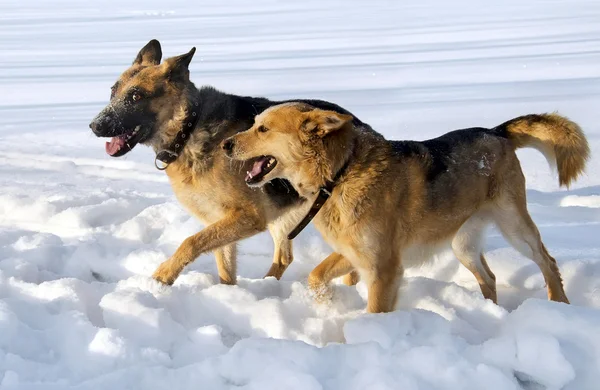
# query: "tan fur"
[[559, 139], [386, 214]]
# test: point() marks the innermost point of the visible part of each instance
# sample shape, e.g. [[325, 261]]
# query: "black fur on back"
[[217, 107], [457, 152], [440, 151]]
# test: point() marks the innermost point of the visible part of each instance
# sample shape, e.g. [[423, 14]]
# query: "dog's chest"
[[198, 202], [341, 230], [339, 216]]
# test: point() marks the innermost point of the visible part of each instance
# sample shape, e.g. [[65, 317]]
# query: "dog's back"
[[485, 160]]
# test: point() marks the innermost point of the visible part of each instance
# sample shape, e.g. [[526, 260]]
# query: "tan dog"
[[157, 104], [394, 203]]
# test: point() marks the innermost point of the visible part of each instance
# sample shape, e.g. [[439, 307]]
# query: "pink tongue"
[[257, 167], [114, 145]]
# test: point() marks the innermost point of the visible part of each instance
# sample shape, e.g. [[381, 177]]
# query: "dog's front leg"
[[383, 283], [234, 227], [333, 266], [282, 257], [279, 229], [227, 263]]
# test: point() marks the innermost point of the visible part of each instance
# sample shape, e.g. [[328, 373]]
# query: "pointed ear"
[[177, 67], [149, 55], [322, 122]]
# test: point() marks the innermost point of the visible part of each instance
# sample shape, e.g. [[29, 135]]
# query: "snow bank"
[[142, 335]]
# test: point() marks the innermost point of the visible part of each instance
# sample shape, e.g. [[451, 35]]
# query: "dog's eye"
[[262, 129], [136, 97]]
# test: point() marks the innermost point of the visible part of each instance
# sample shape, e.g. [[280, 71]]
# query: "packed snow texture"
[[81, 233]]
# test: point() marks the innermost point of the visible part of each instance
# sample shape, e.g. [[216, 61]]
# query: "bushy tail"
[[561, 141]]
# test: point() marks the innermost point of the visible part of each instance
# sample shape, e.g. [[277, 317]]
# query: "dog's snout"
[[97, 127], [228, 146], [103, 125]]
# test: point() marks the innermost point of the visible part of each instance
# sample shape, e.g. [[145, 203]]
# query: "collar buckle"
[[166, 157]]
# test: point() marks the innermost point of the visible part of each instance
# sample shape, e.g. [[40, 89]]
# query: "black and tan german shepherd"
[[154, 103]]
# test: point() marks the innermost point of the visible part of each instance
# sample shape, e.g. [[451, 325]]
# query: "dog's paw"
[[351, 279], [276, 271], [321, 293], [165, 274]]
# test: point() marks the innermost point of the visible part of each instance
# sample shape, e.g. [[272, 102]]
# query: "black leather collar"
[[170, 154], [324, 194]]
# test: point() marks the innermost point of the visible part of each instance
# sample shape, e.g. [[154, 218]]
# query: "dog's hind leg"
[[467, 245], [227, 263], [520, 231], [236, 226]]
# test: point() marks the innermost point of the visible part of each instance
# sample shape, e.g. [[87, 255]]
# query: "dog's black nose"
[[95, 128], [228, 146]]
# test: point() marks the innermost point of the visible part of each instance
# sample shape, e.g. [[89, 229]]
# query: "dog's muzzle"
[[102, 125]]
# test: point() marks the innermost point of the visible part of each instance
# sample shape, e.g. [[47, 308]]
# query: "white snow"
[[81, 233]]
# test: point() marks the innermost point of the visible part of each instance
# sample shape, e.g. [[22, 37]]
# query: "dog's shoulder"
[[223, 114], [217, 106], [408, 148]]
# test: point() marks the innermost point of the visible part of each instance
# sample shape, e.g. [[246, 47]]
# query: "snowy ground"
[[80, 233]]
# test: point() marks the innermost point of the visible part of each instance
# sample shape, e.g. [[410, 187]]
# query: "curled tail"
[[560, 140]]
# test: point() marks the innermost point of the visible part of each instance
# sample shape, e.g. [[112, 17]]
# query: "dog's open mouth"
[[121, 144], [261, 167]]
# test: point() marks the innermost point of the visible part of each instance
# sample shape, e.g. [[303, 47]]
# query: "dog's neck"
[[331, 157], [334, 165], [171, 122], [179, 130]]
